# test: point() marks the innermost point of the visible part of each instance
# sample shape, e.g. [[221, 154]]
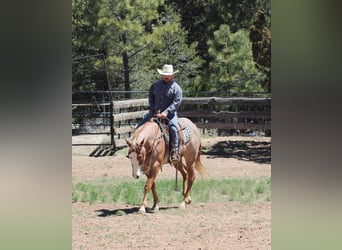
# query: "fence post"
[[111, 112]]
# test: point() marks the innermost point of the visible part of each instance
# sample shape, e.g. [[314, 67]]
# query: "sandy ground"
[[220, 225]]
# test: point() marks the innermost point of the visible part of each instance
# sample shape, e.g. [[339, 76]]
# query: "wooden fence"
[[108, 123], [252, 114]]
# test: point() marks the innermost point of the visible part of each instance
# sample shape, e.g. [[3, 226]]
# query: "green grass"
[[122, 151], [131, 191]]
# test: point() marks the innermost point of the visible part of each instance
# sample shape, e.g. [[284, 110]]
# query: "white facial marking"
[[136, 169], [139, 171]]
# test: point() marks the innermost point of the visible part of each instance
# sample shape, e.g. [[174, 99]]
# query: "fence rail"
[[231, 113], [207, 113]]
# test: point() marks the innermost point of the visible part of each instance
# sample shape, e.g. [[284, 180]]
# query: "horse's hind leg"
[[184, 173], [190, 180], [155, 207]]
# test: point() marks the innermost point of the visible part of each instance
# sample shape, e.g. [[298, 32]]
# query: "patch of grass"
[[120, 212], [131, 192], [244, 190], [122, 151]]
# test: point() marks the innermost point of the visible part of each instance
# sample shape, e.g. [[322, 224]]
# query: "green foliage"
[[232, 68], [237, 14], [260, 36], [168, 45], [203, 18], [131, 192], [85, 40], [123, 42]]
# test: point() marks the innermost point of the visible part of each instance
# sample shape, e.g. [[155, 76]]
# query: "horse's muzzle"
[[137, 174]]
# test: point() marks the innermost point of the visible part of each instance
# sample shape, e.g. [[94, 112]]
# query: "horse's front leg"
[[148, 185], [154, 173], [190, 180]]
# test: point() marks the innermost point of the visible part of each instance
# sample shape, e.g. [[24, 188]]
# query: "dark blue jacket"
[[165, 97]]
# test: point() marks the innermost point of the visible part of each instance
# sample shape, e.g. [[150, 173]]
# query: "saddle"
[[184, 132]]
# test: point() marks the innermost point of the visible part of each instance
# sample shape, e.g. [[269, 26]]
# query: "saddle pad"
[[186, 134], [186, 130]]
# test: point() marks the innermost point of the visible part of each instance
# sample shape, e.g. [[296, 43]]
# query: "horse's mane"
[[145, 131]]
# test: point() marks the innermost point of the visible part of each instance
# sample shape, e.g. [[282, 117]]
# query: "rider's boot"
[[174, 156]]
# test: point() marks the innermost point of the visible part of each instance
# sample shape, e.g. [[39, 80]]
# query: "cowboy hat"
[[167, 70]]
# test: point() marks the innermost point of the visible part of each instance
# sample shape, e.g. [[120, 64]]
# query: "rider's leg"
[[145, 118], [174, 142]]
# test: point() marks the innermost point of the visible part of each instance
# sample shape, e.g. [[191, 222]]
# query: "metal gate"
[[91, 118]]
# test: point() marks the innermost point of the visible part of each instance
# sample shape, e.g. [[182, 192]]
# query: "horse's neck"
[[148, 133]]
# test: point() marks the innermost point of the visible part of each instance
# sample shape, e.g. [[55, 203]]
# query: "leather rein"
[[148, 153]]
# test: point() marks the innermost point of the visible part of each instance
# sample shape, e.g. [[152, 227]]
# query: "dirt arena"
[[219, 225]]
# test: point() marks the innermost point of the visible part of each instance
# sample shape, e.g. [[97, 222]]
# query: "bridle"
[[135, 147]]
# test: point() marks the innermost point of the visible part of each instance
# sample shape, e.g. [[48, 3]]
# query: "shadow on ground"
[[123, 211], [257, 151], [106, 212], [101, 151]]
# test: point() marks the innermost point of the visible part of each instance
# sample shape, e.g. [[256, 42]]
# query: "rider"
[[165, 96]]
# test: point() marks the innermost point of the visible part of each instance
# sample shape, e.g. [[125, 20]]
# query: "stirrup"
[[174, 157]]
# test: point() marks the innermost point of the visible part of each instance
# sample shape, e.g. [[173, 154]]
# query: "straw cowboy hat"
[[167, 70]]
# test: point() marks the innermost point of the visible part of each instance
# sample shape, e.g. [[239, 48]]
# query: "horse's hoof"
[[141, 211], [182, 205], [155, 209]]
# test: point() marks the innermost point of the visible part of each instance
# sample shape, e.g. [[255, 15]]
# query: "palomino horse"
[[148, 151]]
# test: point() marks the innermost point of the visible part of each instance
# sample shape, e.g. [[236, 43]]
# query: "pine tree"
[[260, 36], [232, 68], [87, 65]]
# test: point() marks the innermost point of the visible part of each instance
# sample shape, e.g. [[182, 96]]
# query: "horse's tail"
[[198, 165]]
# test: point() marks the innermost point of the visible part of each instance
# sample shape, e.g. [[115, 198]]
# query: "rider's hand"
[[162, 115]]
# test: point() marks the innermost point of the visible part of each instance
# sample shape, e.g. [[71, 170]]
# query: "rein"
[[148, 153], [155, 143], [158, 121]]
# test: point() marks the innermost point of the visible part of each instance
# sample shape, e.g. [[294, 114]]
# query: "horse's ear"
[[129, 143], [142, 143]]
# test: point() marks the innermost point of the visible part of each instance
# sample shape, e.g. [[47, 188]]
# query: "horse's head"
[[137, 155]]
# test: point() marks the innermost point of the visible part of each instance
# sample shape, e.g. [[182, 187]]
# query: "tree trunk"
[[126, 75]]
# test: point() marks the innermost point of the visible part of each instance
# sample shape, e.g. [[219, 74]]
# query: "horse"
[[148, 152]]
